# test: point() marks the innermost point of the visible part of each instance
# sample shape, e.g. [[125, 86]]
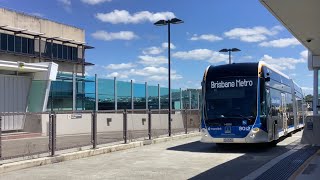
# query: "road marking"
[[271, 163]]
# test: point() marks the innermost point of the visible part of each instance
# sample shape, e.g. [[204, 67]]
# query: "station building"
[[34, 52]]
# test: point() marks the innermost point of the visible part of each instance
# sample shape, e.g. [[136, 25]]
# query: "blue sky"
[[129, 46]]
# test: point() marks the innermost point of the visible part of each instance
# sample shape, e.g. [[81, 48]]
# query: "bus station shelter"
[[301, 18]]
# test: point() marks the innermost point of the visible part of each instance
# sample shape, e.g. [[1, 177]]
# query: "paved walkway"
[[181, 159]]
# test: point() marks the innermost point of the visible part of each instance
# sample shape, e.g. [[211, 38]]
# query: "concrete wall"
[[107, 122], [36, 24]]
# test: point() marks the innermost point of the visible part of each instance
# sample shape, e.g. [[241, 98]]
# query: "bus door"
[[284, 116]]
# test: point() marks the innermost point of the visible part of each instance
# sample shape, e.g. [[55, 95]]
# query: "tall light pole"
[[163, 23], [230, 50]]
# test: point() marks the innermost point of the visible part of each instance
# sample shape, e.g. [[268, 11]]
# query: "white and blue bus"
[[249, 103]]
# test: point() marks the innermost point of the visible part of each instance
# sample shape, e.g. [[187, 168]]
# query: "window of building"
[[75, 54], [54, 50], [69, 53], [31, 46], [59, 51], [10, 43], [4, 42], [65, 52], [24, 45], [17, 44]]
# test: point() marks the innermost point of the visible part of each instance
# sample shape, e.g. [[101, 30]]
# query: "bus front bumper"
[[252, 137]]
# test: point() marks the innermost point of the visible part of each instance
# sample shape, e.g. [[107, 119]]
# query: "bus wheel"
[[273, 143]]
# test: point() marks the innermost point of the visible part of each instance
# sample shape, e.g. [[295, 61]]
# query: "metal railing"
[[48, 134]]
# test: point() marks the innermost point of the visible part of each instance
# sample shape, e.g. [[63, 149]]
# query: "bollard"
[[125, 128], [149, 124], [94, 130]]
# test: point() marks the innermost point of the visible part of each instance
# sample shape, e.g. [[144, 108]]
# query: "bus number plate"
[[228, 140]]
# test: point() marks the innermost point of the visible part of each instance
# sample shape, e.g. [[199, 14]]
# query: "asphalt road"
[[180, 159]]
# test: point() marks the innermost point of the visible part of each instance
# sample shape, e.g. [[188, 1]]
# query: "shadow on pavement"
[[255, 156]]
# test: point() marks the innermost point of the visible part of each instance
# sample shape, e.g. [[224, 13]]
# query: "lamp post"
[[164, 23], [230, 50]]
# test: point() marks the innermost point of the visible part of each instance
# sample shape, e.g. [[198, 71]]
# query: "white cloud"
[[281, 43], [201, 54], [37, 14], [66, 4], [309, 89], [155, 73], [109, 36], [117, 75], [94, 2], [153, 50], [283, 63], [304, 54], [206, 37], [255, 34], [157, 50], [247, 57], [165, 45], [153, 60], [123, 16], [120, 66]]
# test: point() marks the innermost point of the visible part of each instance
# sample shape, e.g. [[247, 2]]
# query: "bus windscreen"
[[231, 100]]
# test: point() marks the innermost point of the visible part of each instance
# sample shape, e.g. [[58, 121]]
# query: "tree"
[[308, 97]]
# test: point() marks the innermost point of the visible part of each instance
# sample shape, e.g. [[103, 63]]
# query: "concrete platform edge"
[[4, 168]]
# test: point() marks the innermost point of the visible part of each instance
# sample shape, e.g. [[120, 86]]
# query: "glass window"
[[75, 54], [139, 94], [54, 50], [289, 104], [65, 52], [69, 53], [4, 42], [164, 97], [48, 49], [230, 100], [153, 100], [24, 45], [18, 44], [10, 43], [106, 94], [59, 51], [124, 95], [31, 46]]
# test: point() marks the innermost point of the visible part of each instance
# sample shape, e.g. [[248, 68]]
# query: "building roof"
[[301, 18]]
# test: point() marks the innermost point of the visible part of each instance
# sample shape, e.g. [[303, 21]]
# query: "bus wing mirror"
[[267, 79]]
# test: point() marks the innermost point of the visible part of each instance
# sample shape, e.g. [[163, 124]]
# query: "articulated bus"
[[249, 103]]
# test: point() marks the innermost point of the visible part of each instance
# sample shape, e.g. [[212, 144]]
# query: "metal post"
[[159, 101], [315, 91], [94, 129], [125, 128], [149, 124], [132, 102], [169, 82], [198, 99], [181, 107], [147, 97], [186, 120], [229, 56], [96, 92], [52, 133], [0, 137], [190, 107], [39, 49], [74, 95], [115, 94]]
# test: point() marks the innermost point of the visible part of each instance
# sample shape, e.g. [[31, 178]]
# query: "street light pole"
[[162, 23], [230, 50]]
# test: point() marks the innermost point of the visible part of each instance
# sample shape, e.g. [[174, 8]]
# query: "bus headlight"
[[255, 130], [204, 132]]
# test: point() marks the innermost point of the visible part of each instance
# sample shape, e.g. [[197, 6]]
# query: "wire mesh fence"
[[45, 134]]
